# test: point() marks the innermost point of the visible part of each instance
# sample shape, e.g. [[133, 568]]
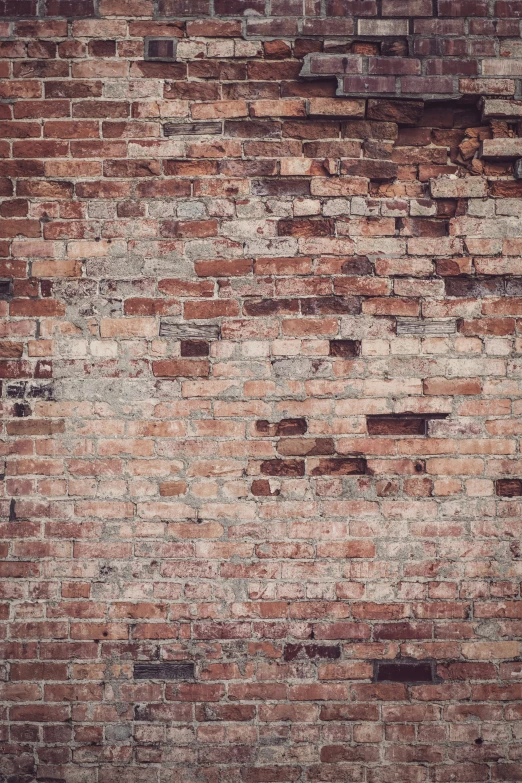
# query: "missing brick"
[[161, 49], [6, 289], [401, 424], [406, 671]]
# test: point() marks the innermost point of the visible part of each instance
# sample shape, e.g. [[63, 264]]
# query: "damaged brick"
[[338, 466], [400, 424], [348, 349], [294, 652], [261, 488], [283, 467], [281, 428]]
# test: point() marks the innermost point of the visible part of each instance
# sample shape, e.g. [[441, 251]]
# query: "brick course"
[[261, 308]]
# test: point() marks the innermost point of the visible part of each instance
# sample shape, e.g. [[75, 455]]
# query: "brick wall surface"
[[261, 386]]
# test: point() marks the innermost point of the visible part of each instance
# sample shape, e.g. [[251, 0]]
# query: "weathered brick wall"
[[261, 385]]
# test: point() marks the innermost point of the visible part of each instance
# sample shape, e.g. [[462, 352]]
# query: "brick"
[[501, 148], [128, 327], [369, 84], [337, 466], [469, 187], [281, 428], [325, 107], [394, 65], [279, 467], [345, 348], [396, 425], [187, 368], [408, 112], [489, 86], [508, 487], [281, 108], [502, 109], [226, 109], [332, 64], [472, 8], [373, 169], [407, 8]]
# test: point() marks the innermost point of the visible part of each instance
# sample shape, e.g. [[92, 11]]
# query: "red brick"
[[186, 368], [24, 110], [210, 309]]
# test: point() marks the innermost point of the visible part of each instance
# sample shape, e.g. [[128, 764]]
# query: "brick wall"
[[261, 385]]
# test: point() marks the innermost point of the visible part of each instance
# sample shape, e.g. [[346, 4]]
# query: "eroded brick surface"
[[260, 378]]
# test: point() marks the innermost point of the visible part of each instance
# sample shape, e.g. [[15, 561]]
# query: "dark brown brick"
[[285, 427], [283, 467], [265, 307], [339, 466], [194, 348], [373, 169], [508, 488], [69, 8], [476, 287], [396, 425], [306, 227], [261, 488], [345, 348]]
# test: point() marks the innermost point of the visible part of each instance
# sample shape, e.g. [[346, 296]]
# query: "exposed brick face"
[[261, 310]]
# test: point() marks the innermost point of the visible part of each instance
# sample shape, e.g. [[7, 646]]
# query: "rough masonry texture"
[[261, 297]]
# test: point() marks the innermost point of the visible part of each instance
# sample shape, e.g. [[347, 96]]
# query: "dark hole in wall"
[[6, 289], [160, 49], [404, 671], [400, 424]]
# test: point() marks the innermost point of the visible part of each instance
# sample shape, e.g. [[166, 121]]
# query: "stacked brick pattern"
[[261, 386]]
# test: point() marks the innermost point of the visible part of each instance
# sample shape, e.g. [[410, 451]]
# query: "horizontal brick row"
[[420, 76]]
